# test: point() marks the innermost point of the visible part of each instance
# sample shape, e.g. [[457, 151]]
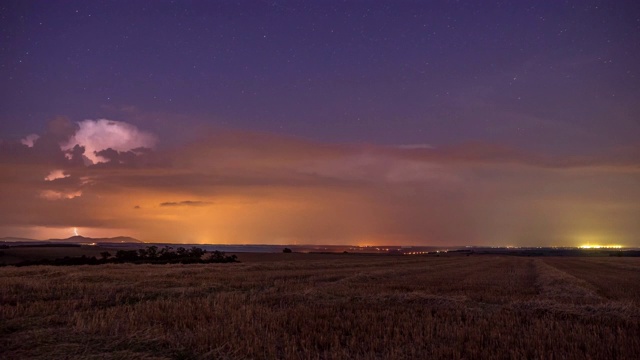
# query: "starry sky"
[[336, 122]]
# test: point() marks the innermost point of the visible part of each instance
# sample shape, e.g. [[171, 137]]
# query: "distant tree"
[[220, 257], [195, 252], [180, 251], [287, 250], [152, 251], [149, 255], [165, 252], [216, 256]]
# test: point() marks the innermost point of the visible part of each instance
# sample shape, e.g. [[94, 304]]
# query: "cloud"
[[59, 195], [377, 167], [56, 174], [415, 146], [61, 128], [186, 203], [273, 189], [98, 135], [30, 139]]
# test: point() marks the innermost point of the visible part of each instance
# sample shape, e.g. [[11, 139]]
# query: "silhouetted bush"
[[287, 251], [165, 252], [195, 252], [152, 252], [219, 257]]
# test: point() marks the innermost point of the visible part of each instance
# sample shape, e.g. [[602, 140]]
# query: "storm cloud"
[[232, 186]]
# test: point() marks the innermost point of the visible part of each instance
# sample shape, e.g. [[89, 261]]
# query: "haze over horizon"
[[281, 122]]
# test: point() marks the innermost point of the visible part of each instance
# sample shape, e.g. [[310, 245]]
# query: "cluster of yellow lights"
[[424, 252], [600, 246]]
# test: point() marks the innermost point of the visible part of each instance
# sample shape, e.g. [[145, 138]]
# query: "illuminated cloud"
[[102, 134], [30, 139], [374, 167], [59, 195], [56, 174]]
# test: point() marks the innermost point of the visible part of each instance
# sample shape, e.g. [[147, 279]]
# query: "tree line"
[[148, 255]]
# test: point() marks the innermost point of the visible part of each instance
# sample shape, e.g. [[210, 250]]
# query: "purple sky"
[[499, 102]]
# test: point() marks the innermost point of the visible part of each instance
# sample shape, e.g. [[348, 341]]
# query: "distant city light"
[[591, 246]]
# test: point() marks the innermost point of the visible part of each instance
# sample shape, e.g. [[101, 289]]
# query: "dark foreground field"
[[299, 306]]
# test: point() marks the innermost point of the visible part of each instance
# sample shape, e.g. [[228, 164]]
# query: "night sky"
[[360, 122]]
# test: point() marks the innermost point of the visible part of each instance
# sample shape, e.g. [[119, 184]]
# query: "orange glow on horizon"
[[595, 246]]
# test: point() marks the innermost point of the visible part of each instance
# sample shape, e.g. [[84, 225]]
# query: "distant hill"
[[77, 240], [82, 239]]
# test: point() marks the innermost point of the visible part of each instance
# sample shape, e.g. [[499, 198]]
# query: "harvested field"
[[301, 306]]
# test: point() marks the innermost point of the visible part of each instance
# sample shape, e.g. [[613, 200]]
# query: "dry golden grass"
[[298, 306]]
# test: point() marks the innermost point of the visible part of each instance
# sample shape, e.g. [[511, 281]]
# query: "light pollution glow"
[[242, 187], [594, 246]]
